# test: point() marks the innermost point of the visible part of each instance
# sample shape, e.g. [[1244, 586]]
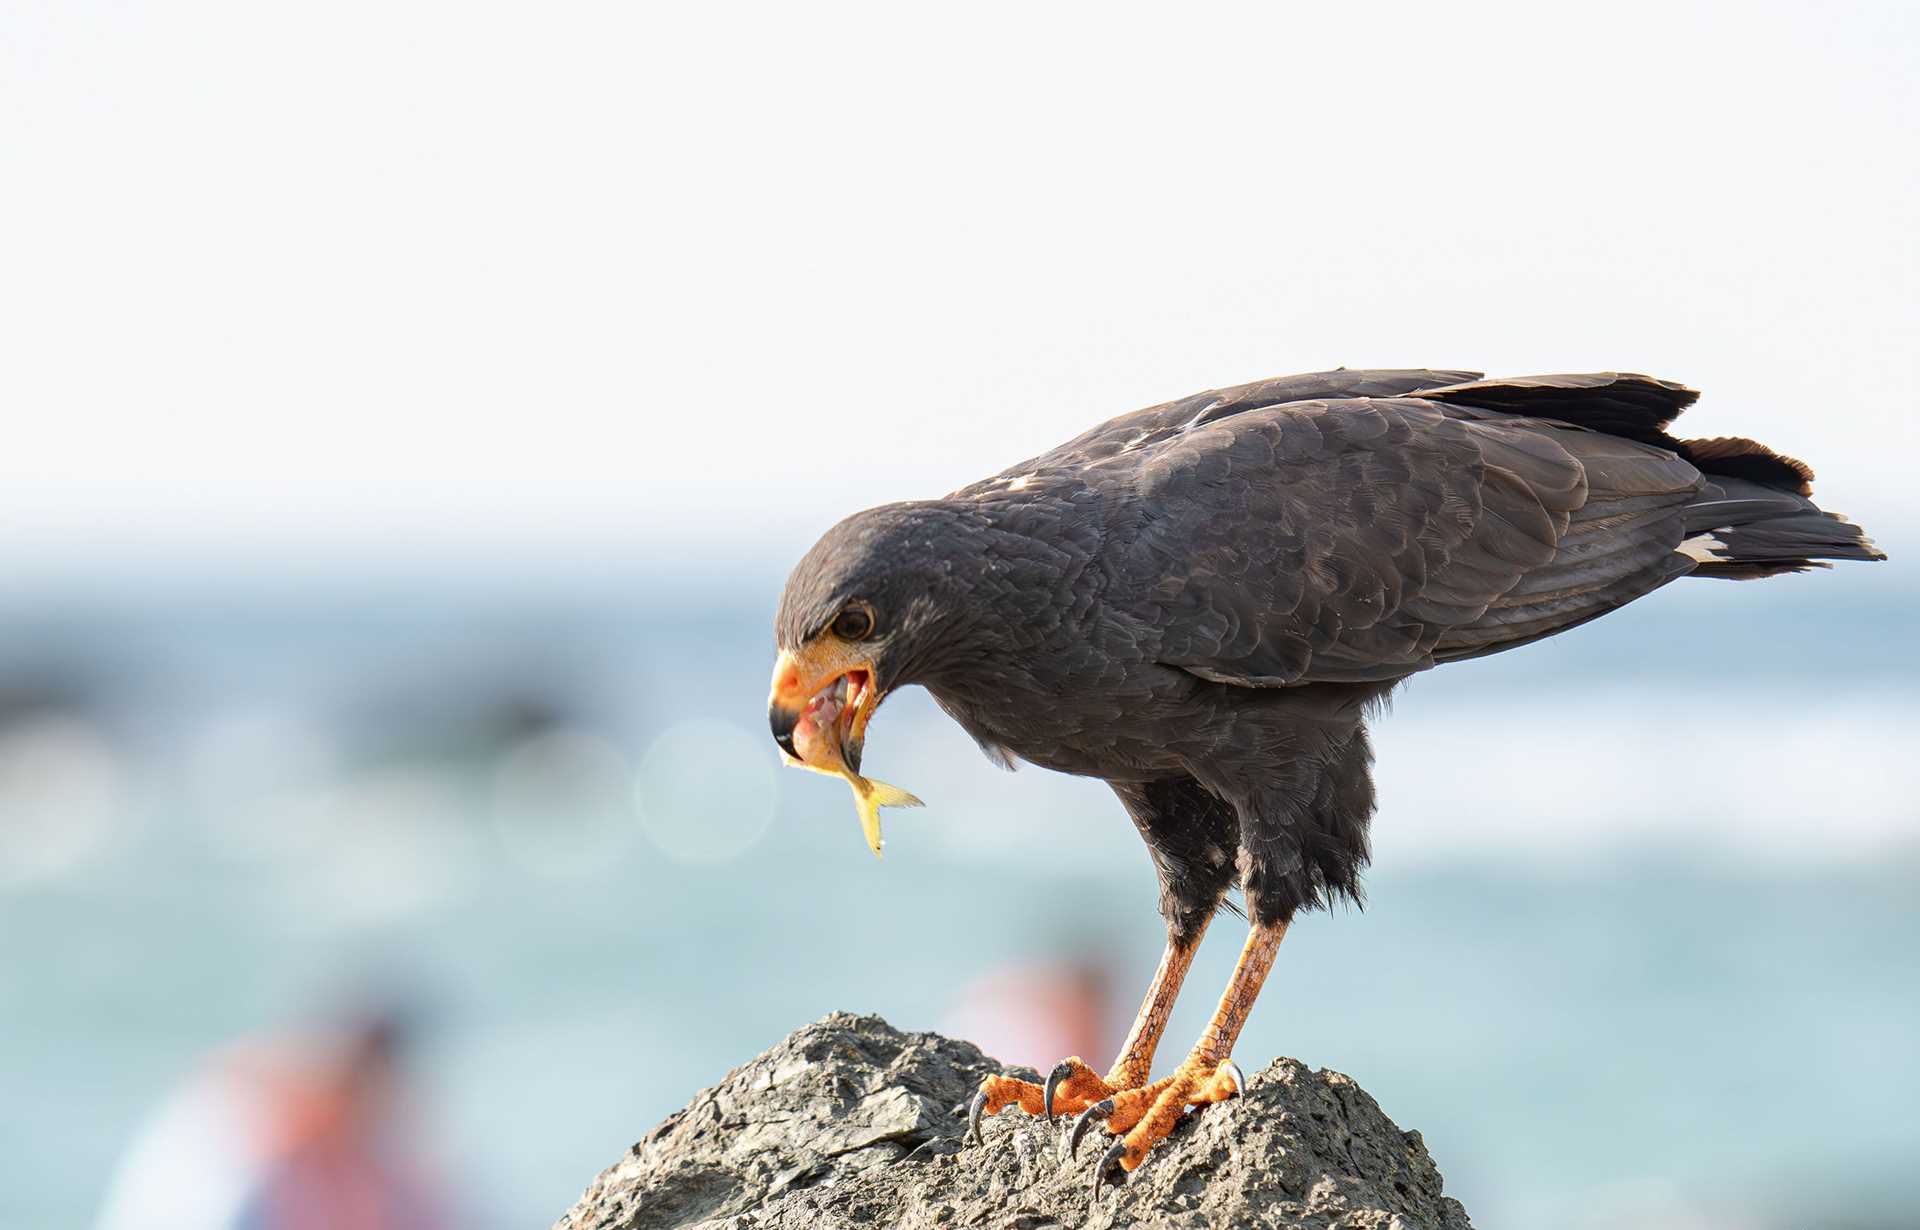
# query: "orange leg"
[[1135, 1063], [1143, 1116], [1072, 1086]]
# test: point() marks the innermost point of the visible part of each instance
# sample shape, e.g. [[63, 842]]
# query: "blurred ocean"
[[1640, 947]]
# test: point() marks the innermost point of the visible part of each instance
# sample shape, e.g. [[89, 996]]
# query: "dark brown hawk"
[[1201, 603]]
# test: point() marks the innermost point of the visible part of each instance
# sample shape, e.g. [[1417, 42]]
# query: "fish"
[[870, 794], [830, 736]]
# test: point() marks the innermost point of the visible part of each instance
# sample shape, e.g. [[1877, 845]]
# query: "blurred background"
[[412, 411]]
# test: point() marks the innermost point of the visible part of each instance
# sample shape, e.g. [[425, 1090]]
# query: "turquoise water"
[[1618, 1015]]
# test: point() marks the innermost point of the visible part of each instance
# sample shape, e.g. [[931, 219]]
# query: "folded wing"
[[1365, 538]]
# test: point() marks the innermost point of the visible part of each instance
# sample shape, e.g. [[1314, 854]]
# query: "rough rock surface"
[[850, 1122]]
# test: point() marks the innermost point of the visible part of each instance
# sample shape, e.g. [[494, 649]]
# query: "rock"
[[850, 1122]]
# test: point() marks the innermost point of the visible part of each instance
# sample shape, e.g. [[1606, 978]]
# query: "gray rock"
[[850, 1122]]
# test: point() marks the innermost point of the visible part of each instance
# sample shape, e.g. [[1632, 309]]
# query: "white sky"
[[395, 280]]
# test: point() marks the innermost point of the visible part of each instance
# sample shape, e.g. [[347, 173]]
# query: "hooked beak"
[[823, 696]]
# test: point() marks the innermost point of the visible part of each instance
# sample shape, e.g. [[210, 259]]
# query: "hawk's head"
[[880, 601]]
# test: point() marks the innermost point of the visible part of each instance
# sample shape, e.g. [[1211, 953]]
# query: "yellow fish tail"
[[869, 821], [885, 795], [869, 796]]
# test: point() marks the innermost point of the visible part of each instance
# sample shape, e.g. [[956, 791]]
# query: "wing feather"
[[1358, 539], [1121, 440]]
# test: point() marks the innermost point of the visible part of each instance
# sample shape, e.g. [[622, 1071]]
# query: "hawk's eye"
[[855, 623]]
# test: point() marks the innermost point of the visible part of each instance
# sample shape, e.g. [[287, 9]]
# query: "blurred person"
[[1031, 1014], [294, 1133]]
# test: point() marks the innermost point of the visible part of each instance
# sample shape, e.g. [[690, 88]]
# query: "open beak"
[[823, 696]]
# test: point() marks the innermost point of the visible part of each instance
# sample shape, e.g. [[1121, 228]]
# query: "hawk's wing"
[[1122, 440], [1365, 538]]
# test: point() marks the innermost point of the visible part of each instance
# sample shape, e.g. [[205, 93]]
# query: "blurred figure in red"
[[302, 1134], [1033, 1015]]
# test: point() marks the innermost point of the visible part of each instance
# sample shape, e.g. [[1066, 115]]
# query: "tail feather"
[[1752, 517], [1739, 457], [1739, 529]]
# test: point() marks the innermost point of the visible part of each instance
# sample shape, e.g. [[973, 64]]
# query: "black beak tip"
[[783, 721]]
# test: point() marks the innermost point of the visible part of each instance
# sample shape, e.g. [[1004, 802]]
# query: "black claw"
[[974, 1108], [1100, 1173], [1097, 1113], [1061, 1071], [1239, 1079]]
